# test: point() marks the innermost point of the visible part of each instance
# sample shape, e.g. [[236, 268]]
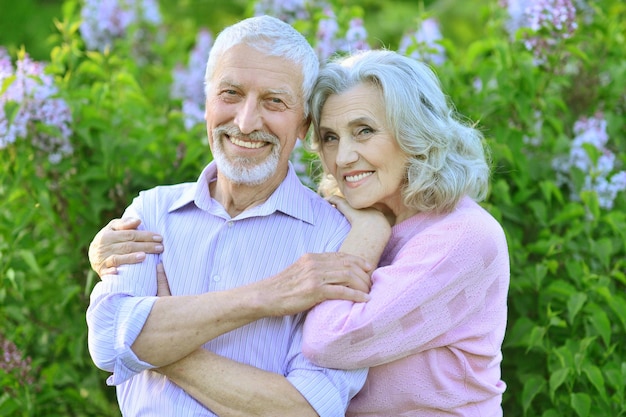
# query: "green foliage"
[[564, 353]]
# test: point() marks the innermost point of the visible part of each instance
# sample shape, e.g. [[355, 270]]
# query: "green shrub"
[[564, 353]]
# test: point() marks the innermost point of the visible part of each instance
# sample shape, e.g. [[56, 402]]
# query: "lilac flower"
[[536, 137], [599, 172], [356, 37], [188, 82], [424, 43], [286, 10], [106, 20], [13, 362], [328, 40], [548, 21], [327, 29], [37, 113]]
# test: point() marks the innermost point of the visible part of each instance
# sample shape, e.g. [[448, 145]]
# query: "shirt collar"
[[291, 197]]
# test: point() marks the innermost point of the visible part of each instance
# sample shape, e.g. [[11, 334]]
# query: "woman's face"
[[360, 151]]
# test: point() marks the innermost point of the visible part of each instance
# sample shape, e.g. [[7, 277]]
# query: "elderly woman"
[[432, 331]]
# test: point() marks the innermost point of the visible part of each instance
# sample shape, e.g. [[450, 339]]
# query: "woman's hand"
[[119, 243], [369, 234]]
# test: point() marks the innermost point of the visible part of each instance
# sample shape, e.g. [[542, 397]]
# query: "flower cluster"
[[328, 41], [424, 43], [104, 21], [189, 81], [29, 108], [548, 22], [13, 363], [590, 155], [286, 10]]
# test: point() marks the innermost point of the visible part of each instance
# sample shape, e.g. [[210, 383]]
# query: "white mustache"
[[257, 135]]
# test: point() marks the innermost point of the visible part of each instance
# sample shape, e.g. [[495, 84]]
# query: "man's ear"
[[304, 128]]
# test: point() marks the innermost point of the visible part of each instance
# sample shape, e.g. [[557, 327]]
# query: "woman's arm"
[[120, 243], [446, 278], [369, 233]]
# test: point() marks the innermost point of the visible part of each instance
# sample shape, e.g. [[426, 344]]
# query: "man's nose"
[[248, 117]]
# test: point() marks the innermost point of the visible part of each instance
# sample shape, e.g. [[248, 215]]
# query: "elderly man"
[[249, 250]]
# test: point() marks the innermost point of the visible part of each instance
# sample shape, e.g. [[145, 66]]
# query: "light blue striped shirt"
[[207, 250]]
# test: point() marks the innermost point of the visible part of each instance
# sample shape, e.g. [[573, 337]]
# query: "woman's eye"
[[329, 138], [365, 131]]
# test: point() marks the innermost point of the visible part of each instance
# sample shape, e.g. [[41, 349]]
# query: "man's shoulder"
[[322, 210], [164, 196]]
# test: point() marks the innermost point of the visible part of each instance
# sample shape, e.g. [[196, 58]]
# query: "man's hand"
[[118, 243]]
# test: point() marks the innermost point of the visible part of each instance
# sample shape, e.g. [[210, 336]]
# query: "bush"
[[550, 101]]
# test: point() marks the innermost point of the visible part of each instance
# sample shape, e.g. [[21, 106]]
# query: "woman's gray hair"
[[274, 37], [447, 158]]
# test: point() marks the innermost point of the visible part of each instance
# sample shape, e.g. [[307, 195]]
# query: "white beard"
[[242, 170]]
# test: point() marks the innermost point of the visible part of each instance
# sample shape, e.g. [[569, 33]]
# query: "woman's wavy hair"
[[447, 158]]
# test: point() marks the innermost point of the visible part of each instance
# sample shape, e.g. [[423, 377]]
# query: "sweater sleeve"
[[439, 280]]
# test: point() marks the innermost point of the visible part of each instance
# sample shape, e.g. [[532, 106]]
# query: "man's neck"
[[237, 198]]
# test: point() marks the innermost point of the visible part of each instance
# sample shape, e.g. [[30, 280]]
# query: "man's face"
[[254, 113]]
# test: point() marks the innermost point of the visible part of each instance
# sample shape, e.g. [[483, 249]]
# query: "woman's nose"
[[346, 153]]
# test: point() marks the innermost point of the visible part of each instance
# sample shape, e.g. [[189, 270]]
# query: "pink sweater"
[[433, 330]]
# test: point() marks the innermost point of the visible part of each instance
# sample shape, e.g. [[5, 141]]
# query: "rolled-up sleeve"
[[115, 319], [327, 390]]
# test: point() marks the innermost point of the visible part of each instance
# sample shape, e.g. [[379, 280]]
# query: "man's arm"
[[230, 388]]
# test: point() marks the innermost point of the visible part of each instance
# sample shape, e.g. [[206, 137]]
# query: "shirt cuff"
[[131, 317], [328, 390]]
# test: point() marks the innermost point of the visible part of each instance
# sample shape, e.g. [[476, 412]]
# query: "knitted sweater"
[[433, 329]]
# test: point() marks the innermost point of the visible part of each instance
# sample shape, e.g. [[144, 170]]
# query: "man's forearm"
[[230, 388], [195, 319]]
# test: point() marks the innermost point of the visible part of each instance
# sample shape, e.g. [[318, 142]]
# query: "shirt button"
[[230, 224], [216, 278]]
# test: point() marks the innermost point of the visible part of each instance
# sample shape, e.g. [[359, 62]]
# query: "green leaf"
[[594, 375], [31, 261], [10, 110], [556, 380], [574, 304], [533, 386], [581, 403], [618, 305], [600, 321]]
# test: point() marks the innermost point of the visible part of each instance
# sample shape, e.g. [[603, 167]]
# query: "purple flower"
[[424, 43], [549, 22], [12, 361], [33, 97], [286, 10], [599, 171], [188, 84], [328, 40], [106, 20]]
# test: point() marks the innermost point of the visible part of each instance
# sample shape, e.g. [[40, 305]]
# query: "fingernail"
[[157, 238], [158, 248], [141, 256]]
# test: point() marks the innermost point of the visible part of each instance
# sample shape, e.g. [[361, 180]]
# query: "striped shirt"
[[207, 250]]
